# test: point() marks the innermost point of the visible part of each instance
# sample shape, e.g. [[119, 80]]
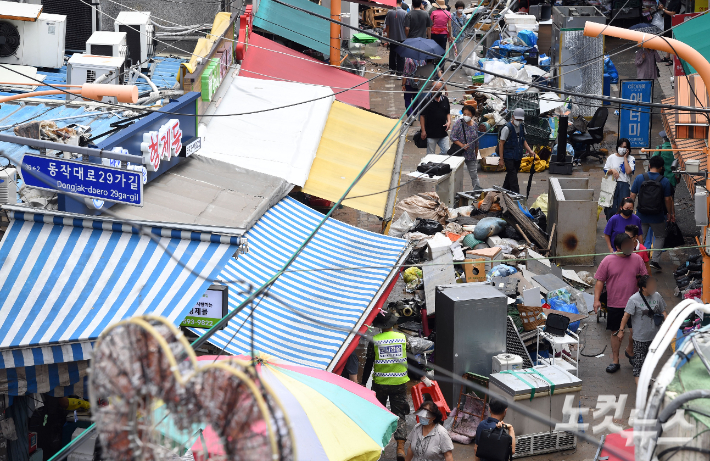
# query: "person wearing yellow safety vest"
[[388, 353]]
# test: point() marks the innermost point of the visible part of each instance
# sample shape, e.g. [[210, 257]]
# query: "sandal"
[[630, 357], [613, 368]]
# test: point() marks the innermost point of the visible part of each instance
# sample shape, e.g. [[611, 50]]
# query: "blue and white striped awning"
[[57, 379], [64, 278], [340, 298]]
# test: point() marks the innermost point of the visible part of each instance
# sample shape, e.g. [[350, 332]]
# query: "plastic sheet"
[[559, 305], [401, 226], [501, 270]]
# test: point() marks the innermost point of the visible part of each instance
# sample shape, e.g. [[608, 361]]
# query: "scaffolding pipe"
[[335, 10], [701, 65]]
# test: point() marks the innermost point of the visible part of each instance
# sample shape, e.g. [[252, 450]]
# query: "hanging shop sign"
[[209, 309], [95, 182], [158, 138], [211, 79], [635, 121]]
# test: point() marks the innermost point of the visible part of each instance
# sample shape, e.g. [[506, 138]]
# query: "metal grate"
[[529, 102], [102, 50], [585, 53], [514, 344], [544, 442], [90, 76], [79, 21]]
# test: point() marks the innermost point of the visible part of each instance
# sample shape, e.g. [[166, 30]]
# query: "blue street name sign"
[[87, 179], [635, 121]]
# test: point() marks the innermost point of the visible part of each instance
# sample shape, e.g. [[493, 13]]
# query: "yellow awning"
[[350, 139], [204, 45]]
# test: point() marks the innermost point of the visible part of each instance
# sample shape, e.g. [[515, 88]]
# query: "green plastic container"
[[364, 38]]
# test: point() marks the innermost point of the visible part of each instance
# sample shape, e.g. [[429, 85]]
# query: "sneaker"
[[655, 265]]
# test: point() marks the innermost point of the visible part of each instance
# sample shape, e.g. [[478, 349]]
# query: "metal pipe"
[[42, 144], [39, 84], [122, 93], [335, 10], [701, 65]]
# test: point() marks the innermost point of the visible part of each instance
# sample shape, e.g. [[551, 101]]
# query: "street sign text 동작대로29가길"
[[635, 121], [91, 180]]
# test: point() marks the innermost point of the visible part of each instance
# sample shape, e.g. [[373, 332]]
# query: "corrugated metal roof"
[[164, 75]]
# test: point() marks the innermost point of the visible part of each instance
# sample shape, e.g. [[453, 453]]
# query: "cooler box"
[[511, 385]]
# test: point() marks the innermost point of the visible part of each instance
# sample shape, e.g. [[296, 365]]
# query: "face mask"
[[460, 10], [424, 421], [622, 150], [627, 213], [516, 122], [466, 118]]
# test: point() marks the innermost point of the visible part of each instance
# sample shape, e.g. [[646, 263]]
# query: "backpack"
[[651, 196], [495, 445]]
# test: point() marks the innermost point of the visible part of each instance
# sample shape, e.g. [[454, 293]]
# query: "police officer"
[[512, 147], [388, 352]]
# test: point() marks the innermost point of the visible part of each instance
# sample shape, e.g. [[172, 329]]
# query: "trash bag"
[[510, 232], [541, 203], [528, 37], [412, 273], [539, 218], [427, 226], [401, 226], [487, 227], [559, 305], [501, 270], [418, 141], [610, 68], [674, 237]]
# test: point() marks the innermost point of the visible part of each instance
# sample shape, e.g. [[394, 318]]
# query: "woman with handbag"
[[621, 166], [647, 311], [429, 441], [464, 141]]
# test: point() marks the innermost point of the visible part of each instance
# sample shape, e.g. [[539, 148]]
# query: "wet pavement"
[[386, 100]]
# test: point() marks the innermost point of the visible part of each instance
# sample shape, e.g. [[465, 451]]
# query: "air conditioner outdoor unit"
[[139, 35], [8, 186], [103, 43], [86, 68], [37, 43]]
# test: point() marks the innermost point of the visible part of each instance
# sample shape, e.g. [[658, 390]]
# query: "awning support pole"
[[335, 6], [695, 59]]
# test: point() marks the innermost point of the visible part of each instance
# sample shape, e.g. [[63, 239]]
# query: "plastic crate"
[[544, 442], [432, 391], [529, 102], [537, 136]]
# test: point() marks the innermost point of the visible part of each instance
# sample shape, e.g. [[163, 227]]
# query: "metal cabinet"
[[470, 330]]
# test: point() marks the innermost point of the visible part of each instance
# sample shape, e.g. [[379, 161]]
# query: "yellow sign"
[[701, 6]]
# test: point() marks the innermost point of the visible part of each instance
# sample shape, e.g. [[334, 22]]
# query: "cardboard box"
[[488, 161], [491, 256], [475, 270]]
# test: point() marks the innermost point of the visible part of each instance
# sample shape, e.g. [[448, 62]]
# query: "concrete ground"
[[386, 99]]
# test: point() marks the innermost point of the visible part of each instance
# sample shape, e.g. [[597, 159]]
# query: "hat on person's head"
[[439, 4], [519, 114], [662, 134], [385, 319]]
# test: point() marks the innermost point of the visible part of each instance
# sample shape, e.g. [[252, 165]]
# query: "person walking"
[[668, 159], [617, 224], [621, 166], [441, 24], [639, 248], [646, 68], [644, 310], [411, 83], [458, 22], [512, 147], [388, 353], [498, 410], [618, 272], [435, 121], [464, 134], [417, 22], [429, 441], [669, 8], [655, 205], [394, 29]]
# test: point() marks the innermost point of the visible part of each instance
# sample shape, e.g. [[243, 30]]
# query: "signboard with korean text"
[[677, 20], [209, 309], [701, 6], [635, 121], [90, 180]]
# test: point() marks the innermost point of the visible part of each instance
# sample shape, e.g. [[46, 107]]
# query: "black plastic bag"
[[674, 237], [511, 232], [418, 141], [427, 226]]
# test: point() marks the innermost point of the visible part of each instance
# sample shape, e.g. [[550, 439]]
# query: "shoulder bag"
[[455, 150], [495, 445], [657, 318]]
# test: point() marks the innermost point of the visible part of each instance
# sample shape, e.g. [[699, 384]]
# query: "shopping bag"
[[606, 194], [674, 237], [658, 21]]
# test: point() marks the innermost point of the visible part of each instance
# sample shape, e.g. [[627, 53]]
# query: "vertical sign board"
[[677, 20], [635, 121]]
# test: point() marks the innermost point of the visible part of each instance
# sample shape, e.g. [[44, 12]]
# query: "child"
[[633, 232], [641, 309]]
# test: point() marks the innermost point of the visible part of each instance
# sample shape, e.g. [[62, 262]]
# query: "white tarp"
[[281, 142]]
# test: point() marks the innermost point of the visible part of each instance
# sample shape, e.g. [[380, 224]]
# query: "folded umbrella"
[[423, 44]]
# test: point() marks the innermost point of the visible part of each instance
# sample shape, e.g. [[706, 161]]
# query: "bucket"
[[487, 140], [545, 12]]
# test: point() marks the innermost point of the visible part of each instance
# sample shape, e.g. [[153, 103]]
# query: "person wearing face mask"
[[617, 224], [621, 166], [641, 309], [618, 271], [458, 22], [464, 134], [429, 441], [435, 120], [512, 147]]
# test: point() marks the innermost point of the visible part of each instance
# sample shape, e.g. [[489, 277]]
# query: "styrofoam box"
[[518, 27], [513, 18]]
